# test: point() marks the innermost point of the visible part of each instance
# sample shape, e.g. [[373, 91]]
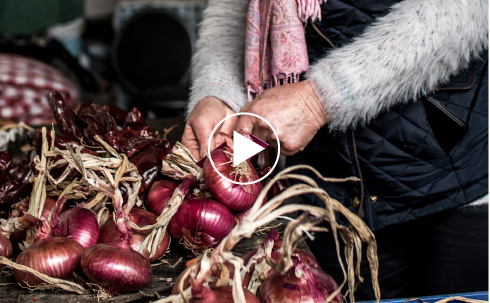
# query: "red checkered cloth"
[[24, 87]]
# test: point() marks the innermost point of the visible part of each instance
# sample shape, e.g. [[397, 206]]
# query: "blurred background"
[[128, 53]]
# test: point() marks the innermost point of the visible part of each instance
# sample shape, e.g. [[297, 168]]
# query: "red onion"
[[160, 192], [49, 204], [20, 235], [274, 239], [79, 224], [222, 294], [56, 257], [116, 267], [201, 223], [6, 247], [109, 232], [235, 196], [302, 283]]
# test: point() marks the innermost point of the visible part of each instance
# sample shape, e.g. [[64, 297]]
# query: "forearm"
[[406, 54], [218, 64]]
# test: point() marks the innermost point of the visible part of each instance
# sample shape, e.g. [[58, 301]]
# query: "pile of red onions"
[[201, 223], [109, 233]]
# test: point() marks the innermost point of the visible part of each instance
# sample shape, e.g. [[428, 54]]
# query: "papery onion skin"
[[19, 235], [109, 233], [235, 196], [300, 284], [221, 294], [56, 257], [116, 267], [160, 192], [79, 224], [202, 222]]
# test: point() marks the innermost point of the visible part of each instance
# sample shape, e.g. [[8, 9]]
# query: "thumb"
[[245, 123]]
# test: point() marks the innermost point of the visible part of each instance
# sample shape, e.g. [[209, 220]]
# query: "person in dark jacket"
[[393, 92]]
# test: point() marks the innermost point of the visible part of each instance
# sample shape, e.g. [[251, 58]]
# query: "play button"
[[245, 148]]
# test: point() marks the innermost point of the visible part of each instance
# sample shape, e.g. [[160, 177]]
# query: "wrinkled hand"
[[295, 112], [204, 117]]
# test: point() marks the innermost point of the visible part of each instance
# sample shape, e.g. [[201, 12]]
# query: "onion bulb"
[[235, 196], [160, 192], [6, 247], [109, 233], [57, 257], [201, 223], [302, 283], [222, 294], [79, 224], [116, 267]]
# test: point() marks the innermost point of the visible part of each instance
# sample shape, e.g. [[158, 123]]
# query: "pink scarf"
[[275, 50]]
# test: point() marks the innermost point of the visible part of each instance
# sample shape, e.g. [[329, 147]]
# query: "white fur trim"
[[405, 54], [218, 64]]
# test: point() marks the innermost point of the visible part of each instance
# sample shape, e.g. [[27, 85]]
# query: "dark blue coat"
[[414, 160]]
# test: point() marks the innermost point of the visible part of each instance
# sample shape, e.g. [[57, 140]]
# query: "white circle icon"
[[212, 135]]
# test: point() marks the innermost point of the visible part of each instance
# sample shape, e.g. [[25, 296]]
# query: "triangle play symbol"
[[244, 148]]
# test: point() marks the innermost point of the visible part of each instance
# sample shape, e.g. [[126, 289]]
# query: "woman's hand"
[[295, 112], [204, 117]]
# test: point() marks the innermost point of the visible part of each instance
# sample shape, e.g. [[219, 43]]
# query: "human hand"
[[295, 112], [204, 117]]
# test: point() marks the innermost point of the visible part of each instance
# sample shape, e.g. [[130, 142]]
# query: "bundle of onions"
[[57, 257], [79, 224], [295, 277], [109, 233], [160, 192], [201, 223], [237, 197], [117, 267]]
